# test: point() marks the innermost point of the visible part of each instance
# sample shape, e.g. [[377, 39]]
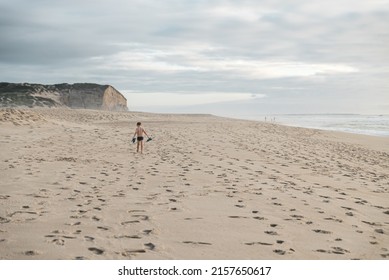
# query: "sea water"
[[377, 125]]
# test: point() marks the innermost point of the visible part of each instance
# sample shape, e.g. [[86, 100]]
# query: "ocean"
[[377, 125]]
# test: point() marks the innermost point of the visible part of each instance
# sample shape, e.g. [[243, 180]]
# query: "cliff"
[[80, 95]]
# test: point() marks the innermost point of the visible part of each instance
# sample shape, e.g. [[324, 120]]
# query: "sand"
[[73, 187]]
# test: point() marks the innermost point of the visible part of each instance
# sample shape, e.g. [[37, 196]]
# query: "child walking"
[[139, 131]]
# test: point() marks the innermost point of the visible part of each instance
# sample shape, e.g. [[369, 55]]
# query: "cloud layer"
[[306, 56]]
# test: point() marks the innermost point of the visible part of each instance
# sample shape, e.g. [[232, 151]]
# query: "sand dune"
[[73, 187]]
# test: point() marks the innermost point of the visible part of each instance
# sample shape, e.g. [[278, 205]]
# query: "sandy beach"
[[73, 187]]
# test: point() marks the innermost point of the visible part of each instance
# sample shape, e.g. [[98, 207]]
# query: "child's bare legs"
[[139, 144]]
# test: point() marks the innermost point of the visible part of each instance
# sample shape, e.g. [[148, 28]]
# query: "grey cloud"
[[71, 41]]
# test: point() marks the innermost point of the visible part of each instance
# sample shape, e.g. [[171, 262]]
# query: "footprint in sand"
[[271, 232], [31, 253], [372, 223], [129, 222], [190, 219], [339, 250], [279, 252], [129, 253], [58, 237], [103, 228], [335, 250], [237, 217], [89, 238], [127, 236], [196, 243], [259, 243], [334, 219], [141, 217], [23, 216], [322, 231], [4, 220], [136, 211], [58, 241], [96, 251], [73, 224], [150, 246], [297, 217], [147, 231]]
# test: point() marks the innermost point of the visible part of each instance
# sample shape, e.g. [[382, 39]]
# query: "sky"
[[225, 57]]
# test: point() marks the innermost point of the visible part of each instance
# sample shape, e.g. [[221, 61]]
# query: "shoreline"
[[318, 125]]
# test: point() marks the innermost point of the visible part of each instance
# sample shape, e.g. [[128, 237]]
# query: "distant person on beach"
[[139, 131]]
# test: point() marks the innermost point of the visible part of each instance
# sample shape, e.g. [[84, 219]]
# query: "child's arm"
[[146, 133], [133, 137]]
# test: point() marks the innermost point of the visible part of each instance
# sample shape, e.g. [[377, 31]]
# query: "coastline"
[[207, 187], [362, 124]]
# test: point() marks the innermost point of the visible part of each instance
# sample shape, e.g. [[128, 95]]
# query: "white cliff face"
[[87, 96], [113, 100]]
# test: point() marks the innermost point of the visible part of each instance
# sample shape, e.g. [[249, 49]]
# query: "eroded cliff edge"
[[79, 95]]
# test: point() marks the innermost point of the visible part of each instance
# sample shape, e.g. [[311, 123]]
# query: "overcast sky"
[[222, 57]]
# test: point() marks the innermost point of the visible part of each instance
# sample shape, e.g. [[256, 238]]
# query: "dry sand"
[[73, 187]]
